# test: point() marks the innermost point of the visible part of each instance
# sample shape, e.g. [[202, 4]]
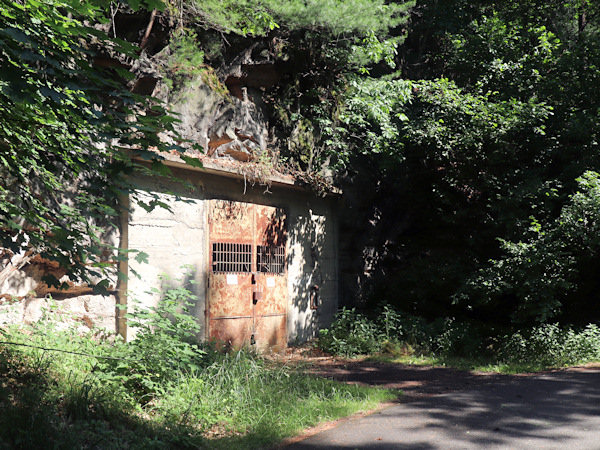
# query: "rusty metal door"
[[247, 290]]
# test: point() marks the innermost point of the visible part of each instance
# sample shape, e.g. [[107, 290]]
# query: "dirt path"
[[451, 409]]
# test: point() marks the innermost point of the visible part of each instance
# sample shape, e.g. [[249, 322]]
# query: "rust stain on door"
[[247, 293]]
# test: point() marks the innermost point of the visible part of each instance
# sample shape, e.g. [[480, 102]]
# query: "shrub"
[[451, 338], [584, 345], [550, 345], [389, 323], [351, 333], [165, 344], [418, 333]]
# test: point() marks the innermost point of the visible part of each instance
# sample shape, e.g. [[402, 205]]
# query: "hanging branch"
[[148, 30], [113, 13]]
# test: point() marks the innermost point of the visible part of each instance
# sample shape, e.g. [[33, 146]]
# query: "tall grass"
[[242, 395], [211, 400]]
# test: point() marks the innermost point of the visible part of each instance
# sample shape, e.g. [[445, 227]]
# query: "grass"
[[237, 400], [482, 364], [254, 404]]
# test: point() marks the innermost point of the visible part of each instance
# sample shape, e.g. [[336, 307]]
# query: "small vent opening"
[[270, 259], [230, 257]]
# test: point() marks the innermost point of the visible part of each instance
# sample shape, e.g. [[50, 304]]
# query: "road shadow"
[[453, 409], [414, 381]]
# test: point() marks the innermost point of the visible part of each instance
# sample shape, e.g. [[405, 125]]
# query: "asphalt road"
[[555, 410]]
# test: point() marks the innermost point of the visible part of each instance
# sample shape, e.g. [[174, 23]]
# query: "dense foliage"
[[66, 125], [330, 16], [482, 205], [463, 133], [394, 334]]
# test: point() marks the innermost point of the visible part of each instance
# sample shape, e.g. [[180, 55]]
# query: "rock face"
[[219, 109], [85, 312], [227, 121], [225, 126]]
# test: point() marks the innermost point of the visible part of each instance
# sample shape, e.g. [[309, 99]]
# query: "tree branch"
[[148, 30]]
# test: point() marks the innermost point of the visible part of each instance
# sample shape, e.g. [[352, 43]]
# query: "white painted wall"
[[312, 261]]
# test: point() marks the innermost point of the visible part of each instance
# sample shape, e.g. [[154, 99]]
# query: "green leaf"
[[141, 257], [190, 160]]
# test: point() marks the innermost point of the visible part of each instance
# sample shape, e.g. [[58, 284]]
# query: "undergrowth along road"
[[235, 400]]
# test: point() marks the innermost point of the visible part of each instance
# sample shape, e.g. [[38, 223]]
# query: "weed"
[[550, 345], [240, 394], [351, 333], [404, 338], [161, 390]]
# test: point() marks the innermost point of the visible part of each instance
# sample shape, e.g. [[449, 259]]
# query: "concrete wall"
[[25, 298], [83, 312], [177, 237], [173, 239], [312, 266]]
